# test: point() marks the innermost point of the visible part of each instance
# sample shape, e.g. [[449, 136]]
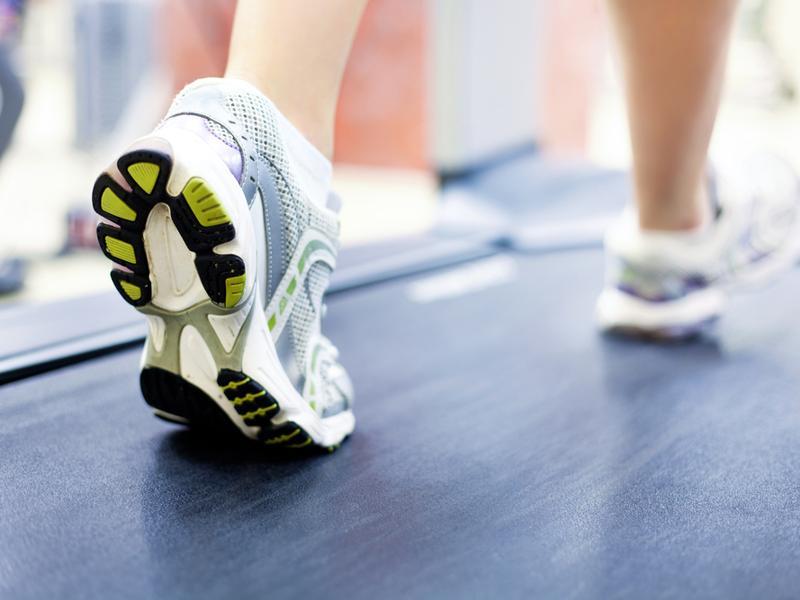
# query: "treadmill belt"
[[503, 449]]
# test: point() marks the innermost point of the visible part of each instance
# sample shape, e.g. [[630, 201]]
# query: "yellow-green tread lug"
[[134, 292], [307, 442], [121, 250], [203, 202], [115, 206], [235, 384], [145, 174], [282, 438], [260, 412], [248, 398], [234, 289]]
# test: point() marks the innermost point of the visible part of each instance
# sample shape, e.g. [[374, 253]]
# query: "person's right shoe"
[[217, 244], [669, 285]]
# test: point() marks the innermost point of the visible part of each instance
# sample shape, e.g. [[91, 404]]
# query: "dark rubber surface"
[[503, 449]]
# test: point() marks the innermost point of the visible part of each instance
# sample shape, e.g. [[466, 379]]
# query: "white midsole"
[[616, 309], [177, 290]]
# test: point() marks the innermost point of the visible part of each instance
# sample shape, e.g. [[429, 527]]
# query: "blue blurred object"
[[12, 275], [113, 50]]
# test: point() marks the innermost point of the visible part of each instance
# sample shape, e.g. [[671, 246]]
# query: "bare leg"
[[295, 53], [673, 56]]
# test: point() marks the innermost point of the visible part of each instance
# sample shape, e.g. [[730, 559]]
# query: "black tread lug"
[[131, 237], [141, 281], [198, 238], [288, 436], [137, 204], [164, 163], [258, 398], [214, 270]]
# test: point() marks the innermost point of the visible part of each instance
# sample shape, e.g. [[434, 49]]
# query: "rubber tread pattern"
[[213, 269], [170, 393], [250, 400]]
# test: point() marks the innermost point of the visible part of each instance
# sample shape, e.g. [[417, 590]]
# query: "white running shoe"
[[670, 285], [215, 242]]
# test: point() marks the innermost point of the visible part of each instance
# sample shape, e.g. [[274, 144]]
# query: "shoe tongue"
[[200, 126]]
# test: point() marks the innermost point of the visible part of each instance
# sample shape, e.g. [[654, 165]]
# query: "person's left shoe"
[[671, 285]]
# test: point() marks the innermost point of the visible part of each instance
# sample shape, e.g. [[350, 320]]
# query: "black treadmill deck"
[[503, 448]]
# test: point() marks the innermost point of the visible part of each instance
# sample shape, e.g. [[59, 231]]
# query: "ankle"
[[672, 215], [674, 222]]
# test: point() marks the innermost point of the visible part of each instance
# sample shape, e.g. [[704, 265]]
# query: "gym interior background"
[[97, 73]]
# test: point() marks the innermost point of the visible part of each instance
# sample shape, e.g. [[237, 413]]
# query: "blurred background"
[[98, 73]]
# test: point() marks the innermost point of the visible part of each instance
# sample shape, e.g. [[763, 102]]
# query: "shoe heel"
[[197, 213]]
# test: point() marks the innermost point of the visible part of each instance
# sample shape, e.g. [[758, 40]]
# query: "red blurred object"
[[81, 230], [573, 53], [199, 47], [381, 118]]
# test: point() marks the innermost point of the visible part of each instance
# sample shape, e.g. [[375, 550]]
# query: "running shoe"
[[672, 285], [215, 242]]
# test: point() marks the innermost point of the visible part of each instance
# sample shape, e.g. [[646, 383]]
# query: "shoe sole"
[[623, 314], [181, 237]]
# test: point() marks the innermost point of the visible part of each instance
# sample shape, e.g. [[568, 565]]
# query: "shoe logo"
[[313, 247]]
